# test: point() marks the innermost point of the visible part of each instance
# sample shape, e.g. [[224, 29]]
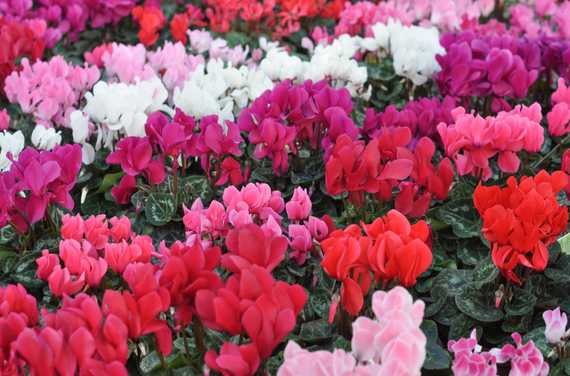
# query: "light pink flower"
[[555, 325]]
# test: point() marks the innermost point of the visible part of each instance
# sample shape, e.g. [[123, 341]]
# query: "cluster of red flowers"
[[521, 220], [387, 162], [151, 20], [78, 336], [17, 40], [96, 335], [282, 17], [392, 249]]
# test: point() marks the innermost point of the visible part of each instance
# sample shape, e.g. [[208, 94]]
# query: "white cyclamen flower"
[[79, 124], [45, 138], [10, 144], [124, 108]]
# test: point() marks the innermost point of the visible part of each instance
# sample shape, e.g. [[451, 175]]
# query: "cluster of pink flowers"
[[496, 66], [17, 40], [473, 140], [257, 204], [359, 17], [471, 361], [201, 41], [127, 64], [50, 90], [290, 115], [70, 17], [35, 181], [88, 248], [392, 344], [559, 117], [546, 17]]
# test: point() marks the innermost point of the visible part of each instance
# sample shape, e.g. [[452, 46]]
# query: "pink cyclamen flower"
[[469, 360], [555, 325], [317, 227], [525, 359], [72, 227], [300, 205], [46, 263], [120, 228], [301, 242]]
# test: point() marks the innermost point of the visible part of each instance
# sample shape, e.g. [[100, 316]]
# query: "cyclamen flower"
[[391, 344], [299, 207], [254, 303], [525, 359], [521, 220], [11, 145], [123, 108], [50, 90], [472, 140], [4, 120], [413, 49], [469, 360], [487, 66], [45, 138], [45, 178], [559, 117], [555, 325], [391, 249], [151, 20]]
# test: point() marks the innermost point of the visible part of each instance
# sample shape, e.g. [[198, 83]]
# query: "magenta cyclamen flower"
[[36, 180], [422, 117], [134, 154], [480, 66], [290, 115]]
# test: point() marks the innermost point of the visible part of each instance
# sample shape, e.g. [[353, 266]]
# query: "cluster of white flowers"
[[334, 62], [45, 138], [10, 144], [216, 89], [117, 109], [413, 49]]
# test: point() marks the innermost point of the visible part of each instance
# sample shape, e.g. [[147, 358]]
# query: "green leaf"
[[109, 181], [436, 357], [486, 272], [475, 304], [316, 330], [150, 362], [160, 208], [471, 254], [557, 275], [461, 326], [462, 217], [522, 303], [452, 280], [565, 244], [7, 234]]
